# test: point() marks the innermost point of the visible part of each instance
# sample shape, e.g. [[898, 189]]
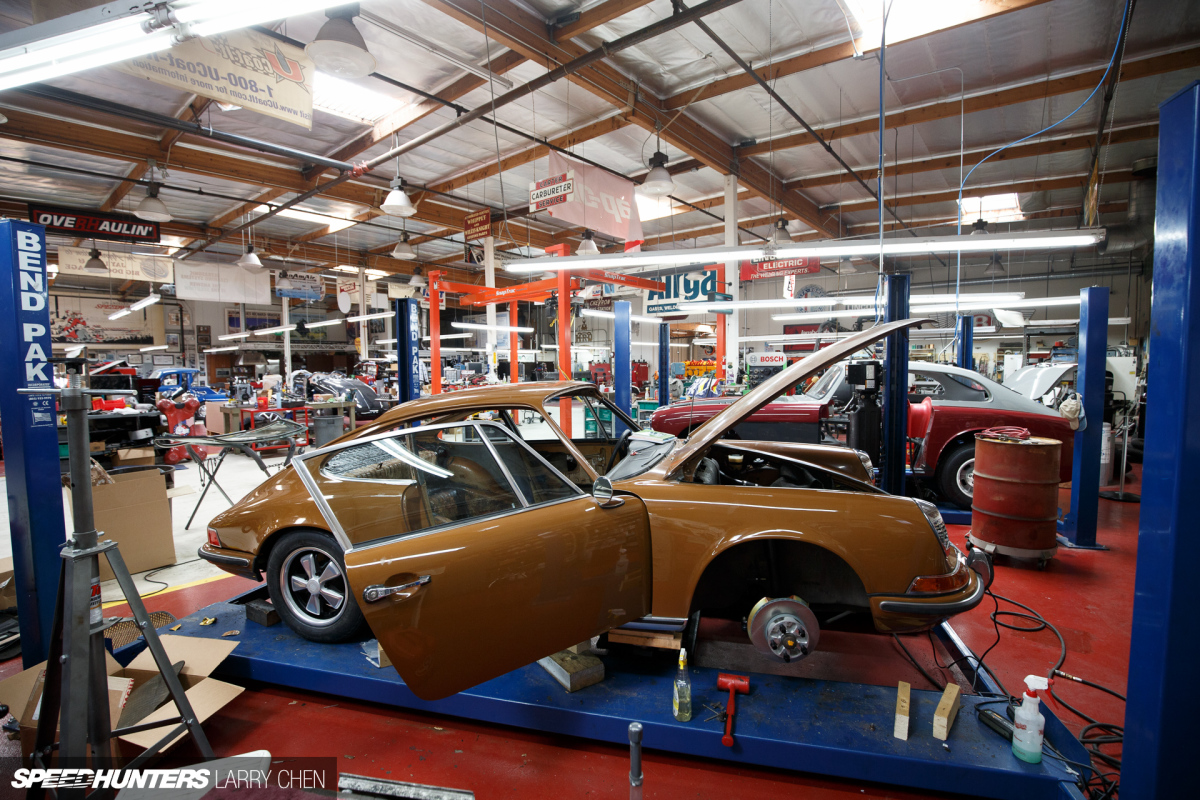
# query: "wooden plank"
[[947, 710], [573, 671], [597, 15], [659, 639], [903, 697]]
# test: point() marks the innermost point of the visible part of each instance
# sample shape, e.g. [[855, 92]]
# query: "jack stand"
[[76, 679], [1122, 496]]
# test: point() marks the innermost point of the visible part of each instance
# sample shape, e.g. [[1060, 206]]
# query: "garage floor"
[[1088, 595]]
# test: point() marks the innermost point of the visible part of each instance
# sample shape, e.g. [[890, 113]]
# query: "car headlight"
[[935, 521], [866, 462]]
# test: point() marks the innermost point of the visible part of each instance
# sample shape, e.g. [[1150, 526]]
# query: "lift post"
[[664, 365], [1079, 527], [1165, 643], [514, 344], [30, 433], [895, 389], [408, 348], [622, 360], [965, 357]]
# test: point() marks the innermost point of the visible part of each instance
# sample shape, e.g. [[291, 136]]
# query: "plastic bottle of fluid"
[[1028, 723], [681, 701]]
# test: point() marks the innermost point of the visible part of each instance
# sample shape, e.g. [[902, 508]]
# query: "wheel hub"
[[314, 586], [784, 629]]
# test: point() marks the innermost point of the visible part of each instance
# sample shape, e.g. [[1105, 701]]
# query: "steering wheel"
[[616, 453]]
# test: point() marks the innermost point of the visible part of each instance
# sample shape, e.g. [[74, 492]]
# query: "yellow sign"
[[243, 67]]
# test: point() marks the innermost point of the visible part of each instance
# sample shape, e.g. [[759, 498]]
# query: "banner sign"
[[84, 320], [299, 285], [242, 67], [477, 225], [121, 266], [552, 191], [222, 283], [593, 199], [688, 287], [93, 224], [773, 268]]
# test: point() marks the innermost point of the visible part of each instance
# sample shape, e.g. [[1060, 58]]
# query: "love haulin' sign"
[[93, 224]]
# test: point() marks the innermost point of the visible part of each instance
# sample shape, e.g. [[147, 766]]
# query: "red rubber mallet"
[[736, 684]]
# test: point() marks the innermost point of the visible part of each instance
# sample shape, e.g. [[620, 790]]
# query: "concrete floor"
[[1087, 594]]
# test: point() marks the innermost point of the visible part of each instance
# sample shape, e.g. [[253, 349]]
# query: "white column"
[[733, 321], [489, 279], [286, 366], [362, 309]]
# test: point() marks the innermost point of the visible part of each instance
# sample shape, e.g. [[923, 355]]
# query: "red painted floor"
[[1088, 595]]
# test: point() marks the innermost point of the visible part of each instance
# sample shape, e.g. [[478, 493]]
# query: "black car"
[[367, 404]]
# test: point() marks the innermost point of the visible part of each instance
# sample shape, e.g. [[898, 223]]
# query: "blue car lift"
[[823, 727]]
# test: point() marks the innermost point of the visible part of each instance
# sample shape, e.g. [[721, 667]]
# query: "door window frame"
[[339, 533]]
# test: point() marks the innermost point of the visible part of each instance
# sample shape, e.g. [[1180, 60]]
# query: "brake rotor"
[[783, 628]]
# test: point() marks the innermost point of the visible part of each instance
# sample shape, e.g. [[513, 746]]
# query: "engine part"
[[783, 628]]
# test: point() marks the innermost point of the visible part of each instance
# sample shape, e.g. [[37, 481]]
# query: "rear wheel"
[[306, 576], [957, 475]]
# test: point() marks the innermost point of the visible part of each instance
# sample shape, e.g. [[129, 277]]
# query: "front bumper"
[[943, 605], [236, 562]]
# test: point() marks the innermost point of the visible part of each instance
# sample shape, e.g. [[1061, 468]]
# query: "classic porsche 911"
[[472, 514]]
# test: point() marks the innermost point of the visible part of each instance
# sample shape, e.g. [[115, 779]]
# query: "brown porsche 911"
[[472, 514]]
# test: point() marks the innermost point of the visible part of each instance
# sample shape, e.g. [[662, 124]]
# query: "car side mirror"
[[602, 493]]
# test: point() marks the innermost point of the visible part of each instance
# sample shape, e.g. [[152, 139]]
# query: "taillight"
[[213, 539], [937, 584]]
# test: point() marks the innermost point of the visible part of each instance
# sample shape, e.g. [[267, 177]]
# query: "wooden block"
[[583, 648], [903, 694], [573, 671], [947, 710], [666, 641], [262, 612]]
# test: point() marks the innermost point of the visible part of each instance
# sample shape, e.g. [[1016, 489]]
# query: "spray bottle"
[[1028, 723], [681, 702]]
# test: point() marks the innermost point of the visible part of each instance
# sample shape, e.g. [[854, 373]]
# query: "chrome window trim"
[[512, 484], [314, 492], [539, 457]]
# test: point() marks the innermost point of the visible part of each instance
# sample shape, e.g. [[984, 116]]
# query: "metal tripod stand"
[[76, 679], [1121, 495]]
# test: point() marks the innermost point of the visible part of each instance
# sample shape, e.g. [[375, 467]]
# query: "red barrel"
[[1014, 506]]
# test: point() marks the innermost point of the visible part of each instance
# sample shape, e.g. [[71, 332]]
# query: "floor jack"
[[76, 681]]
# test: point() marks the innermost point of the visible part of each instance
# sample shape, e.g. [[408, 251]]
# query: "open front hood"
[[779, 383]]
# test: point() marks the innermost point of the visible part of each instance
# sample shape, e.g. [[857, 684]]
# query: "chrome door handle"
[[377, 592]]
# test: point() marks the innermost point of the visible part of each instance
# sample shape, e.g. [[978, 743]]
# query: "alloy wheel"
[[965, 477], [314, 585]]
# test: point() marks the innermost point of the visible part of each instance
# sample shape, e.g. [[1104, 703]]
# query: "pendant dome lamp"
[[658, 181], [995, 266], [339, 48], [94, 262], [403, 250], [846, 266], [250, 260], [151, 208], [588, 246]]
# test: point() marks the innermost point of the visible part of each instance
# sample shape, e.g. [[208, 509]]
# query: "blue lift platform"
[[813, 726]]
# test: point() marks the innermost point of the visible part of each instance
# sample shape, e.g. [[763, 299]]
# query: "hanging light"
[[151, 208], [283, 281], [588, 246], [781, 235], [94, 262], [250, 261], [403, 250], [397, 203], [846, 266], [339, 48], [417, 278], [658, 182], [980, 227], [995, 266]]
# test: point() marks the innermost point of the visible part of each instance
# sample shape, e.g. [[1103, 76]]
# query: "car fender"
[[951, 425]]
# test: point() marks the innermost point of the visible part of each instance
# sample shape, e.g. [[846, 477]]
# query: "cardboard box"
[[134, 457], [135, 512], [8, 584], [207, 695], [214, 418]]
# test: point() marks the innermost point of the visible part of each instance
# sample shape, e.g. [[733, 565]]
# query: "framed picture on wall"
[[204, 339], [172, 317], [187, 318], [133, 359], [223, 372], [164, 361], [172, 341]]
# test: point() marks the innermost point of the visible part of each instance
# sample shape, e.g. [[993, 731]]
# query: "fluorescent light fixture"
[[208, 17], [972, 305], [274, 329], [386, 341], [154, 347], [677, 344], [445, 336], [372, 274], [821, 316], [223, 349], [148, 300], [229, 336], [705, 341], [124, 312], [848, 300], [588, 348], [364, 317], [326, 220], [323, 323], [595, 312], [925, 245], [477, 326]]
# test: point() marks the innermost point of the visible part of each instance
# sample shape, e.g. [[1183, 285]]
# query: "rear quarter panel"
[[279, 502], [950, 422]]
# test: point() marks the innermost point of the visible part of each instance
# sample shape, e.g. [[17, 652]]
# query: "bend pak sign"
[[93, 224]]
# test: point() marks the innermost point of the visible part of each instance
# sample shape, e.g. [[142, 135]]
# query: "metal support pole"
[[30, 434], [286, 366], [565, 339], [728, 332], [664, 365], [1165, 644], [1079, 527], [408, 348], [635, 761], [965, 336], [895, 390], [622, 361], [365, 325], [514, 345], [489, 280], [435, 334]]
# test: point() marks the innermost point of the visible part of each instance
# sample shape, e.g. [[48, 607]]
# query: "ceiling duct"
[[1138, 229]]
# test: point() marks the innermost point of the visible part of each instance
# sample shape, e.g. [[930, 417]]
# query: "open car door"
[[471, 540]]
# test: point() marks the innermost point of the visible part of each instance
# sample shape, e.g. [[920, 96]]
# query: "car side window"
[[420, 479], [536, 479], [532, 426]]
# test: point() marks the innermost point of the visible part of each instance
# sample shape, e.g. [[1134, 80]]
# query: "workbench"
[[233, 415], [814, 726]]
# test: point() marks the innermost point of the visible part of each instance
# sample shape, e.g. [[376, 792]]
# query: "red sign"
[[93, 224], [753, 270], [477, 225]]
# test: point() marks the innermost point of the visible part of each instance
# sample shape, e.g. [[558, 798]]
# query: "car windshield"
[[646, 448], [825, 385]]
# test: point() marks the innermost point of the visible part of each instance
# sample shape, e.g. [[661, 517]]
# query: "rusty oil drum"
[[1014, 505]]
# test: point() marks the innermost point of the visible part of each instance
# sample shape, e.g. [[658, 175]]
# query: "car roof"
[[495, 395]]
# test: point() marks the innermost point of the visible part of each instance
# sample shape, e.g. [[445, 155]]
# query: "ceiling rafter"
[[596, 16]]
